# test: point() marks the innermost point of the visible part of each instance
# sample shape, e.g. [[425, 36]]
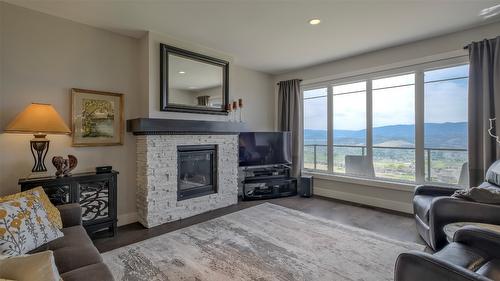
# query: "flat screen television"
[[265, 148]]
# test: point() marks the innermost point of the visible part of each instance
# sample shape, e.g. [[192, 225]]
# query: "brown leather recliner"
[[434, 208]]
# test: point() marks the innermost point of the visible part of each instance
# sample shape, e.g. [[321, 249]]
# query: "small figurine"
[[64, 166]]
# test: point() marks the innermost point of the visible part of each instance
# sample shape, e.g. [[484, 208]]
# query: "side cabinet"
[[96, 194]]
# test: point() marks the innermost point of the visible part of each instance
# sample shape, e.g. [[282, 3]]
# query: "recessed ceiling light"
[[191, 87], [182, 72], [314, 21]]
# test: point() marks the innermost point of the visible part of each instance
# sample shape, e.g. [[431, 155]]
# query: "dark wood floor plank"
[[385, 222]]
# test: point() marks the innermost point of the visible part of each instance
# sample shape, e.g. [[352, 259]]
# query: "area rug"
[[261, 243]]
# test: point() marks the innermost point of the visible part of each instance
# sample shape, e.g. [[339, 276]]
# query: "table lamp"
[[40, 120]]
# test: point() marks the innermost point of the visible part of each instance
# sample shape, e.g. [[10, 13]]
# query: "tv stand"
[[268, 182]]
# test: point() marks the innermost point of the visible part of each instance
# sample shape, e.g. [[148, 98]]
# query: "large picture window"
[[406, 126], [315, 129], [349, 123], [394, 127], [446, 125]]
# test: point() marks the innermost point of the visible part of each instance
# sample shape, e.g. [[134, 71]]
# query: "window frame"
[[418, 70]]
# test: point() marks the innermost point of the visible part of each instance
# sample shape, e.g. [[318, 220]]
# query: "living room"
[[250, 140]]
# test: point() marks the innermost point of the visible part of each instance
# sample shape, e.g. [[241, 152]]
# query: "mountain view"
[[437, 135], [394, 153]]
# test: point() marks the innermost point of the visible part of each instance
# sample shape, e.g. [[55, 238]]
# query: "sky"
[[445, 101]]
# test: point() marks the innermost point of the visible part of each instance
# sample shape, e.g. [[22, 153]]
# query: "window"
[[349, 123], [445, 127], [408, 125], [394, 127], [315, 129]]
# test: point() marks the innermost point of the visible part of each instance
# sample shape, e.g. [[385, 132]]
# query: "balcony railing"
[[362, 149]]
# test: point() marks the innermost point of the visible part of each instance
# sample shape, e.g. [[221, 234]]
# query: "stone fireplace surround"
[[157, 168]]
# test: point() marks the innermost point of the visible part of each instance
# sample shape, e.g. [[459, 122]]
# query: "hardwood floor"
[[388, 223]]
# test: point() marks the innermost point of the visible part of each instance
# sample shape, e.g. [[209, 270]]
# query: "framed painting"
[[97, 118]]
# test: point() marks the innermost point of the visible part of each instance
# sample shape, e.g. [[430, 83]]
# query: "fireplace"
[[196, 171], [161, 144]]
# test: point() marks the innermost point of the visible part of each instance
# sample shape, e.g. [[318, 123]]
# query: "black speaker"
[[306, 186]]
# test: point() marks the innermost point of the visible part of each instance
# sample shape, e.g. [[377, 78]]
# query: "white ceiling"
[[196, 75], [274, 36]]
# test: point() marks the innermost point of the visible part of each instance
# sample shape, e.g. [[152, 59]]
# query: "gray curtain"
[[484, 104], [290, 118]]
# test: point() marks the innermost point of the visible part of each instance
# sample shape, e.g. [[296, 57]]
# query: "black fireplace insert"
[[196, 171]]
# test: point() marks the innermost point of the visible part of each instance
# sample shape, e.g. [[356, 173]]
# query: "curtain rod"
[[292, 79], [467, 46]]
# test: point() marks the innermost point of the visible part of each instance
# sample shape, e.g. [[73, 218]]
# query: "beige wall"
[[181, 96], [1, 87], [258, 106], [398, 198], [1, 61], [42, 57]]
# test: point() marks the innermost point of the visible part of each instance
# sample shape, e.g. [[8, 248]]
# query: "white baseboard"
[[366, 200], [127, 218]]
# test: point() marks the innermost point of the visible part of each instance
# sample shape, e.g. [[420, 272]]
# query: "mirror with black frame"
[[192, 82]]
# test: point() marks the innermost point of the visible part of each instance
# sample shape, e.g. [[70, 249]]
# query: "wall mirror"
[[191, 82]]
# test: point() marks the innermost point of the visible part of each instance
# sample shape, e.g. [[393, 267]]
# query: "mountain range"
[[445, 135]]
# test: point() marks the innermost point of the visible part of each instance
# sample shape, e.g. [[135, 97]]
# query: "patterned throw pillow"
[[52, 211], [24, 225]]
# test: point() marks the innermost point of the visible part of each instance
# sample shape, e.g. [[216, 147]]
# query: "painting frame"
[[78, 98]]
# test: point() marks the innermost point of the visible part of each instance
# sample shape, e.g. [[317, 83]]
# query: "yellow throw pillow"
[[35, 267], [24, 226], [52, 212]]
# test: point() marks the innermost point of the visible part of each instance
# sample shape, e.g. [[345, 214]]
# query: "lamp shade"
[[38, 118]]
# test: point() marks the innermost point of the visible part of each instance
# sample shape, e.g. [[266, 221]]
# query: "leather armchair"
[[473, 255], [434, 207]]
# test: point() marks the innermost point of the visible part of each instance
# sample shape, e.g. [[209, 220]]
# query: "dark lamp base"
[[39, 148]]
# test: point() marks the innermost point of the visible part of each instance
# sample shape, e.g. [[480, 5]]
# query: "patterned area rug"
[[264, 242]]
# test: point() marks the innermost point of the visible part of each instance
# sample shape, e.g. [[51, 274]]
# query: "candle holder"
[[240, 104], [235, 110]]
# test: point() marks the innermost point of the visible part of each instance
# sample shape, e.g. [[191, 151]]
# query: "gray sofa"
[[75, 255]]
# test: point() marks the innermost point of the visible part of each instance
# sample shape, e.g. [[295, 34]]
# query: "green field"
[[393, 163]]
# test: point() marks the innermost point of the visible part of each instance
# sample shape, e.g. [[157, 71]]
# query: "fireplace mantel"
[[156, 126]]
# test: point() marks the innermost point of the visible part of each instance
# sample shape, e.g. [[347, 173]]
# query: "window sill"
[[400, 186]]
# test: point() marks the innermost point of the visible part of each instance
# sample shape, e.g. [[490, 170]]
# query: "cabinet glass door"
[[58, 194], [94, 200]]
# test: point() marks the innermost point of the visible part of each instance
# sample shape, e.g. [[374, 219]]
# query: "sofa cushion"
[[491, 269], [35, 267], [462, 256], [422, 205], [71, 258], [72, 251], [97, 271], [75, 235]]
